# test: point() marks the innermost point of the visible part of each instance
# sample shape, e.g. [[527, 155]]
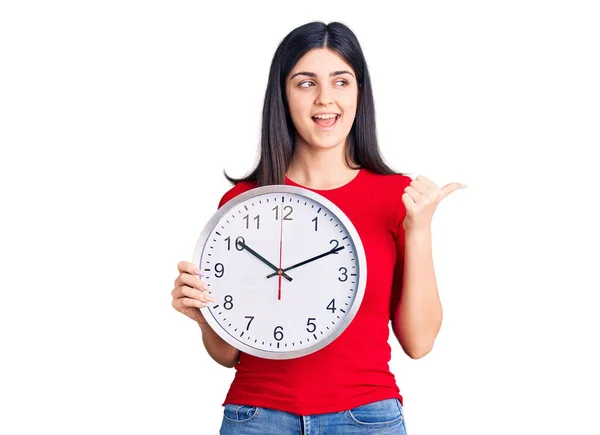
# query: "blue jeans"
[[384, 417]]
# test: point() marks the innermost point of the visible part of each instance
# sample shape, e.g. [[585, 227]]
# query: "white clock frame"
[[330, 207]]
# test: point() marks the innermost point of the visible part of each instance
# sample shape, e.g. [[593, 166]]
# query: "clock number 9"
[[219, 270], [237, 243], [279, 333], [309, 324]]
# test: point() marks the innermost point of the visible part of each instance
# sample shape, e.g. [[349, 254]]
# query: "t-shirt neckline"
[[344, 186]]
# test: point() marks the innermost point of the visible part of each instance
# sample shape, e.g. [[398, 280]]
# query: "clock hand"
[[261, 258], [333, 251], [279, 272]]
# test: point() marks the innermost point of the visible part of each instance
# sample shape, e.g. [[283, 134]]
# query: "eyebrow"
[[310, 74]]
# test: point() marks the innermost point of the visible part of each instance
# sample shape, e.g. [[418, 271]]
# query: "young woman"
[[319, 133]]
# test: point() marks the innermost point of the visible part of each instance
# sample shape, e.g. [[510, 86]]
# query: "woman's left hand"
[[421, 198]]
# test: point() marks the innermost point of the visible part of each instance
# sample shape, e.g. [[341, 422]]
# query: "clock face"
[[287, 269]]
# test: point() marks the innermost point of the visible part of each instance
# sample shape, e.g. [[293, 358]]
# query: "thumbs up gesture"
[[421, 198]]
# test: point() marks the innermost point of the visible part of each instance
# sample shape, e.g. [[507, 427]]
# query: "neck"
[[320, 168]]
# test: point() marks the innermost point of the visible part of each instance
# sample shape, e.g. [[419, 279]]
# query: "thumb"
[[449, 188]]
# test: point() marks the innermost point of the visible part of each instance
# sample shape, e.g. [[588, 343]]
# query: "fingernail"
[[197, 272]]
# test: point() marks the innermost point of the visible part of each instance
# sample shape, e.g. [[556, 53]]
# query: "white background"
[[117, 119]]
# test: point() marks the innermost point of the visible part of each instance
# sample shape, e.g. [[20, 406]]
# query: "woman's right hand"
[[190, 292]]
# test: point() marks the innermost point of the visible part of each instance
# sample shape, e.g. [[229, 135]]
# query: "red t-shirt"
[[353, 370]]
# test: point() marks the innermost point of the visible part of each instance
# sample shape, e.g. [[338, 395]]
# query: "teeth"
[[326, 116]]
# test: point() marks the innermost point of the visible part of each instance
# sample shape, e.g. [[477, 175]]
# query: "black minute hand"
[[264, 260], [333, 251]]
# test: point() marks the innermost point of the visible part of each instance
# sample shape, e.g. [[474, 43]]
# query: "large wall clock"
[[287, 268]]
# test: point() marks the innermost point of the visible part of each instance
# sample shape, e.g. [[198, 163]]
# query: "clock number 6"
[[279, 333]]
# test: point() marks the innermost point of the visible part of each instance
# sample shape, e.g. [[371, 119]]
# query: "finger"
[[451, 187], [415, 195], [427, 182], [181, 291], [196, 294], [181, 303], [186, 267], [407, 200], [193, 281], [420, 187]]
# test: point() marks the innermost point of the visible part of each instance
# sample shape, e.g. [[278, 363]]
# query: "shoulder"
[[386, 191], [236, 190], [390, 183]]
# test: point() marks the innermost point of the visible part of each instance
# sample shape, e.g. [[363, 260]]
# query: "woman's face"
[[322, 83]]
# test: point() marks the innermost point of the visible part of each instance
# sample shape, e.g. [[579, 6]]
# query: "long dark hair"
[[278, 131]]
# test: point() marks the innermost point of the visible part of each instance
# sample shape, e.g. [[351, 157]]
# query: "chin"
[[327, 144]]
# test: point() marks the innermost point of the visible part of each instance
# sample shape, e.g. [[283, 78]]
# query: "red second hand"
[[280, 250]]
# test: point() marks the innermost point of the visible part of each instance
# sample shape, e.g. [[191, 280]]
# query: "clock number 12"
[[287, 208]]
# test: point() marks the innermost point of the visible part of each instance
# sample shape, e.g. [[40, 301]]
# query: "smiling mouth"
[[325, 123]]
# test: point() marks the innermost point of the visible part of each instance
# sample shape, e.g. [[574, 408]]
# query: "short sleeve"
[[230, 194], [234, 191], [224, 200], [399, 240]]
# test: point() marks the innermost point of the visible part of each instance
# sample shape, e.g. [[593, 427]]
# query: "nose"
[[324, 97]]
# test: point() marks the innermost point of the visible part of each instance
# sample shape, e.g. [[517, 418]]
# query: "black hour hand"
[[264, 260]]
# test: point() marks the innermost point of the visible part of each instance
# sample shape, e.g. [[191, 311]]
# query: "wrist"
[[421, 233]]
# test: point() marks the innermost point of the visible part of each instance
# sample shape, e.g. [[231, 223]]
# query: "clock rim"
[[362, 270]]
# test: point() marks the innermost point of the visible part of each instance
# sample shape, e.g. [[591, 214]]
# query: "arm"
[[416, 310], [218, 349]]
